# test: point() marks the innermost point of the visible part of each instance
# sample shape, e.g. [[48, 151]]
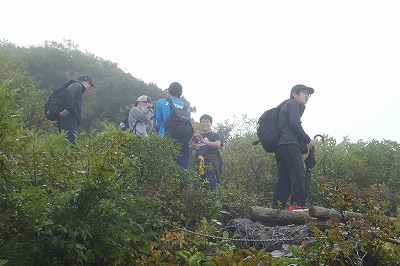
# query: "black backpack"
[[268, 130], [178, 125], [55, 104], [124, 124]]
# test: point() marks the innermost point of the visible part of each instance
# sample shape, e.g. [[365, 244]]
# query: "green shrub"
[[103, 201], [117, 199]]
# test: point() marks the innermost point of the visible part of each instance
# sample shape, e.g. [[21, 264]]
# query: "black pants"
[[291, 176], [70, 125], [183, 159], [210, 174]]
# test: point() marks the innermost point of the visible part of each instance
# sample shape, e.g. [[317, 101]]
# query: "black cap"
[[86, 78], [175, 89], [297, 88]]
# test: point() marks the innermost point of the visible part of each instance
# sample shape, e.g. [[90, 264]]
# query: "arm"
[[157, 124], [131, 120], [70, 95], [213, 144], [190, 114], [158, 115], [294, 110], [193, 144]]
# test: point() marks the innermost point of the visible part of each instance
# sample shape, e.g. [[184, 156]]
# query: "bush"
[[106, 200], [114, 198]]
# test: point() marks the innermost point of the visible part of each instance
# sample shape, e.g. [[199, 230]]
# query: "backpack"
[[177, 124], [124, 124], [55, 104], [268, 130]]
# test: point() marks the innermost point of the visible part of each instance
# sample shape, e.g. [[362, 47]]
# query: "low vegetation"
[[115, 199]]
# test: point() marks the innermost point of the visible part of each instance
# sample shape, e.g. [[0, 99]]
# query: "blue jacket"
[[162, 111]]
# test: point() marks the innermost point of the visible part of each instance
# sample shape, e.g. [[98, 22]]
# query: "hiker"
[[140, 117], [206, 146], [161, 113], [290, 166], [70, 117]]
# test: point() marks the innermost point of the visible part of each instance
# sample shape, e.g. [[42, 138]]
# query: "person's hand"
[[64, 113], [313, 143], [194, 146], [200, 139]]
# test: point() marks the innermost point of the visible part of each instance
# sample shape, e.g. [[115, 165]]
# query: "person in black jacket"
[[290, 166], [70, 117]]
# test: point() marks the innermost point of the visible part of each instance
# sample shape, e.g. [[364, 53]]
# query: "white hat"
[[144, 98]]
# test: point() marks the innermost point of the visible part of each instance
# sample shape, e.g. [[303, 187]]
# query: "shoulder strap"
[[134, 126], [171, 104], [282, 104], [69, 82], [280, 107]]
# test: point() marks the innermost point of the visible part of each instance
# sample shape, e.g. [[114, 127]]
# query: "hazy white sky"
[[242, 57]]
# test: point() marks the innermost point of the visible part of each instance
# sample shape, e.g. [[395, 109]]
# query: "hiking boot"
[[295, 208]]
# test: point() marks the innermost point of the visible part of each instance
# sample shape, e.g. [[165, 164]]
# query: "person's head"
[[143, 101], [206, 122], [301, 93], [175, 89], [86, 81]]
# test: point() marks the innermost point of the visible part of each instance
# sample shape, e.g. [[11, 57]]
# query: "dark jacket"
[[289, 119], [73, 100]]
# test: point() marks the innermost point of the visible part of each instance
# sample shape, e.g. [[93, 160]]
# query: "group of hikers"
[[144, 117], [167, 116]]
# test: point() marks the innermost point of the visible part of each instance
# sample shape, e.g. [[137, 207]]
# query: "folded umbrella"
[[310, 163]]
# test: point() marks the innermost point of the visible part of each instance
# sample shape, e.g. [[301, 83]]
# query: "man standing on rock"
[[290, 166]]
